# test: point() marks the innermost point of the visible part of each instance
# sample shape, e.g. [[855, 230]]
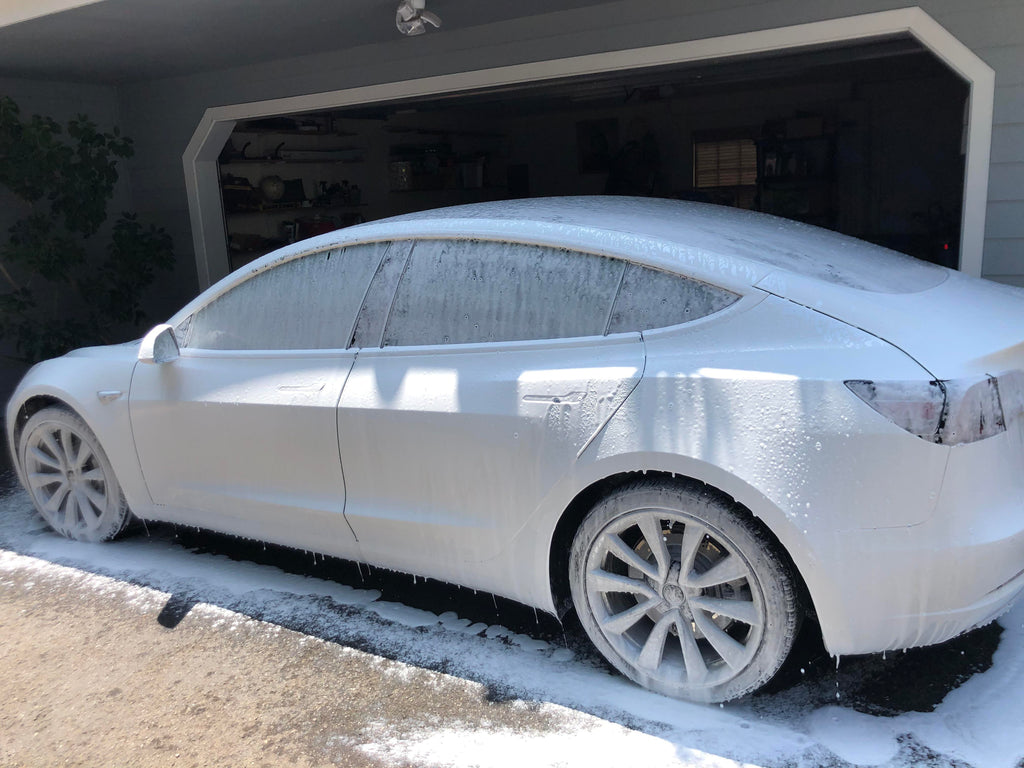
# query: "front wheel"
[[682, 592], [69, 477]]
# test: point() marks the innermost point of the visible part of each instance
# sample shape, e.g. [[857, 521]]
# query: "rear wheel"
[[69, 477], [682, 592]]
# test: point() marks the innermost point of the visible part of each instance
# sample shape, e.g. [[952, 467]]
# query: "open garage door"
[[866, 137]]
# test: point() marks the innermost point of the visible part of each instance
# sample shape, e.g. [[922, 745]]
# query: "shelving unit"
[[796, 171], [283, 180], [288, 178]]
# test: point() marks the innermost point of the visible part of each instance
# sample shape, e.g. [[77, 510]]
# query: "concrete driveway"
[[180, 648]]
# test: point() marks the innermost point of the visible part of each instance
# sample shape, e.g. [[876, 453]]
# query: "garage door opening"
[[867, 137]]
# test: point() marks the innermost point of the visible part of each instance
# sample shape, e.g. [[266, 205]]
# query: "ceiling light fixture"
[[411, 18]]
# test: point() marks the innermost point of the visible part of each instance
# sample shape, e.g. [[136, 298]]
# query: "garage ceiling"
[[116, 41]]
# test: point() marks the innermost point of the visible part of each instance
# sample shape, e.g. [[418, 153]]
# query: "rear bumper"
[[926, 583]]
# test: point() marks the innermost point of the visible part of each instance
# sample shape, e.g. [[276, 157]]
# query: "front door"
[[239, 434], [246, 443]]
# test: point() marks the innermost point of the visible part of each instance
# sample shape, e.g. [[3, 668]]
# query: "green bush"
[[60, 292]]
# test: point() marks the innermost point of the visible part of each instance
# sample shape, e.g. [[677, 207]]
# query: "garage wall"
[[163, 114]]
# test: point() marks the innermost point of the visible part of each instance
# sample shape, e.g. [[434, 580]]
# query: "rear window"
[[842, 260]]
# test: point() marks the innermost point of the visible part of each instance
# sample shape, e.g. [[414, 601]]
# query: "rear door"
[[473, 393]]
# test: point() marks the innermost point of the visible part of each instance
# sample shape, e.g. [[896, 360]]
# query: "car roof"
[[709, 241]]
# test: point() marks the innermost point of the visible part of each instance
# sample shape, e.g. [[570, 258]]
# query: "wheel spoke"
[[732, 651], [725, 570], [94, 476], [654, 647], [86, 507], [66, 442], [651, 528], [84, 454], [693, 536], [97, 499], [620, 622], [696, 668], [53, 503], [42, 479], [70, 510], [49, 459], [741, 610], [602, 581], [628, 555]]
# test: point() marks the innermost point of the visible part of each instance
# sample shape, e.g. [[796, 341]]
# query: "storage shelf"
[[291, 207], [292, 132], [268, 161]]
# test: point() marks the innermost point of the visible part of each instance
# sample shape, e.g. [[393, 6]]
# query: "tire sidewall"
[[773, 582]]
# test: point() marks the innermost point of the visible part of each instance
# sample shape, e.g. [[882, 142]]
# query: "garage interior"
[[864, 139]]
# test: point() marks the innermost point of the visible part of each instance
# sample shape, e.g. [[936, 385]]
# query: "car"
[[696, 426]]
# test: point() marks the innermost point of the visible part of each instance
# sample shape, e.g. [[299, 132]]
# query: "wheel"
[[681, 592], [70, 478]]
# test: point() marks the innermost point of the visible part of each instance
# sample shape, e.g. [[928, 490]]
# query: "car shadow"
[[890, 684], [883, 684]]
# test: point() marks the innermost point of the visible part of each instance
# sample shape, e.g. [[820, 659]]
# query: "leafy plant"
[[63, 289]]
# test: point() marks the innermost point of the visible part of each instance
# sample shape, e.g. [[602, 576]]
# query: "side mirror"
[[159, 346]]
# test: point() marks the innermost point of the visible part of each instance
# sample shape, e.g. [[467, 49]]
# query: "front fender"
[[76, 381]]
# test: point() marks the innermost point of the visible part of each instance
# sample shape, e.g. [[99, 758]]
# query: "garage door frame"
[[200, 157]]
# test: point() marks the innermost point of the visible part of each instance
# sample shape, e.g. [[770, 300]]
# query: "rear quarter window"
[[649, 298]]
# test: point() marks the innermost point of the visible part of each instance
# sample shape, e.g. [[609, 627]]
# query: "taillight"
[[947, 412]]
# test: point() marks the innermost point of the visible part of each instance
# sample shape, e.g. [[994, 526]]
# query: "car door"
[[472, 395], [239, 433]]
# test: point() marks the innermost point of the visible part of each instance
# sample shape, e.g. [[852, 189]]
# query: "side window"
[[466, 291], [307, 303], [649, 298]]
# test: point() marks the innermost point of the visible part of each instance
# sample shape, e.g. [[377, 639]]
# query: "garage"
[[866, 138]]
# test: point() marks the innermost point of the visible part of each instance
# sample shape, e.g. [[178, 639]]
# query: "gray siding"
[[995, 35]]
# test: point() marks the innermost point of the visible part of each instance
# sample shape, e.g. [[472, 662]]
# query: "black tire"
[[69, 477], [707, 614]]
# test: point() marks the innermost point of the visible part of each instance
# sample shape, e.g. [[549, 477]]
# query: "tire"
[[707, 614], [69, 477]]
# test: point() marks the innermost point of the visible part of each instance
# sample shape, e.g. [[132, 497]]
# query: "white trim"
[[205, 208], [15, 11], [200, 158]]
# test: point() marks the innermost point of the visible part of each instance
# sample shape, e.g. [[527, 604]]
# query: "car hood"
[[125, 351], [964, 326]]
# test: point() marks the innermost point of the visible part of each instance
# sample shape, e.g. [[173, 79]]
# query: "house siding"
[[163, 114]]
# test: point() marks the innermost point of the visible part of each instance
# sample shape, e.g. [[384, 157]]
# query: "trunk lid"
[[962, 327]]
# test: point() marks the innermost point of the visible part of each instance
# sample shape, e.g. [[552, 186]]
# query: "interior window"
[[307, 303], [725, 169], [466, 291], [649, 298]]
